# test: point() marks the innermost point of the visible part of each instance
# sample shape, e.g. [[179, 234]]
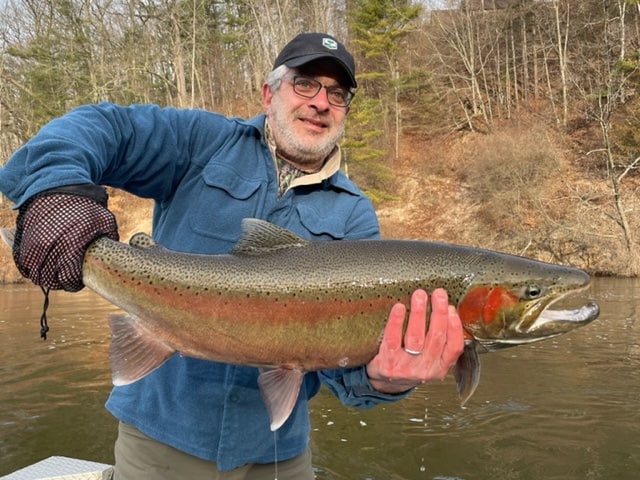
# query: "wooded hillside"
[[507, 124]]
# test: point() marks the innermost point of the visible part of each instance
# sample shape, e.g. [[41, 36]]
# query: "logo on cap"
[[330, 43]]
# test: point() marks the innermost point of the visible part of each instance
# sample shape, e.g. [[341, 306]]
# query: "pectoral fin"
[[279, 388], [467, 371]]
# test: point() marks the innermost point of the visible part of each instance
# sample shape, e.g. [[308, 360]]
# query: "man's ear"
[[267, 95]]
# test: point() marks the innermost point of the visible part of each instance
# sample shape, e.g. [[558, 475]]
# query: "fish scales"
[[267, 313], [327, 297]]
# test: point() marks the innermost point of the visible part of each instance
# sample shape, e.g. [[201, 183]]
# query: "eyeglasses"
[[308, 88]]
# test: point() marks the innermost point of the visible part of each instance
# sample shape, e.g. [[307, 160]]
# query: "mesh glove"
[[53, 230]]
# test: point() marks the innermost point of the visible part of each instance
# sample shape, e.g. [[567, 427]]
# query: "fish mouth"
[[548, 323], [555, 322]]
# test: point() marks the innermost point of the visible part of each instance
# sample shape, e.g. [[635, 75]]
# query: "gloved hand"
[[53, 230]]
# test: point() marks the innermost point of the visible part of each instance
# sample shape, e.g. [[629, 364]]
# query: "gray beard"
[[292, 149]]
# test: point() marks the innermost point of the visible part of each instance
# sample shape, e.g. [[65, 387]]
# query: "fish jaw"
[[556, 322], [542, 322]]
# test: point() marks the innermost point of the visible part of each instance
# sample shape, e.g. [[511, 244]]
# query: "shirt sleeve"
[[351, 386], [143, 149]]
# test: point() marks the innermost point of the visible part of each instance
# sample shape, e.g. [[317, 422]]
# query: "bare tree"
[[561, 17], [608, 86], [466, 42]]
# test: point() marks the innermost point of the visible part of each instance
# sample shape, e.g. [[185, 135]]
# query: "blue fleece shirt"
[[205, 172]]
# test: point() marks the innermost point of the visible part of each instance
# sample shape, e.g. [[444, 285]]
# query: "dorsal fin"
[[259, 237], [143, 241]]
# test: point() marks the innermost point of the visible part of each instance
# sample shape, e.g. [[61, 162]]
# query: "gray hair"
[[275, 76]]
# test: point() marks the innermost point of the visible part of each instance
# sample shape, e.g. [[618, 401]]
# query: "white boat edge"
[[63, 468]]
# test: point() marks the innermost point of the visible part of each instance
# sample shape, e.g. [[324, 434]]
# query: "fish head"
[[513, 305], [509, 303]]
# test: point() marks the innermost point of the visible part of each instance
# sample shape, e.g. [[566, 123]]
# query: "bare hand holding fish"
[[407, 360]]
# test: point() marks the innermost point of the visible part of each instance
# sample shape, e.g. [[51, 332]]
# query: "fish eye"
[[532, 291]]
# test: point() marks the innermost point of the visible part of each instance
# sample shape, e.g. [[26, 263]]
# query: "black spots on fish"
[[177, 289], [188, 291], [277, 300]]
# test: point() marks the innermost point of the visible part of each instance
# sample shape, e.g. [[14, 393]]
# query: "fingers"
[[455, 337], [445, 340], [436, 337], [419, 354], [392, 337], [414, 337]]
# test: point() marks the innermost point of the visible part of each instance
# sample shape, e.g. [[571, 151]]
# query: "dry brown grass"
[[521, 190]]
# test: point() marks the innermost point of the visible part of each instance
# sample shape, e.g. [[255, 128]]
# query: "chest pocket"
[[224, 199], [323, 224]]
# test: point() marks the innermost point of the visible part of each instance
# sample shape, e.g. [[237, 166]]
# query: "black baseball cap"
[[307, 47]]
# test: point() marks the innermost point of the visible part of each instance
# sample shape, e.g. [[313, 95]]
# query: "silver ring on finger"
[[411, 352]]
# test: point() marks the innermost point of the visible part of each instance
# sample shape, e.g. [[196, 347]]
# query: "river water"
[[565, 408]]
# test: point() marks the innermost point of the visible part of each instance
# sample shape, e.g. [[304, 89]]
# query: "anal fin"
[[279, 388]]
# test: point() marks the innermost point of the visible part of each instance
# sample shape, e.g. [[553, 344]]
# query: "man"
[[192, 418]]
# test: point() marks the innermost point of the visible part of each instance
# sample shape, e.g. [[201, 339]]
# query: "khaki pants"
[[139, 457]]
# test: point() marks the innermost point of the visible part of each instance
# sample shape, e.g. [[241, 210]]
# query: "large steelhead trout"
[[291, 305]]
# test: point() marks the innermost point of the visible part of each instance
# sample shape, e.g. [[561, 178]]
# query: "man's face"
[[306, 130]]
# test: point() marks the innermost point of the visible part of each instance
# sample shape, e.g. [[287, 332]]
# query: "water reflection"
[[566, 408]]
